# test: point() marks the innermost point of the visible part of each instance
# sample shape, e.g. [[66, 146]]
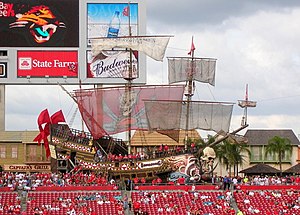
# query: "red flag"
[[45, 132], [246, 97], [126, 11], [38, 138], [192, 47], [58, 117], [43, 117], [46, 145]]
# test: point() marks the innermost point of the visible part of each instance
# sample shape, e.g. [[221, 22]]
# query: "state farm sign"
[[47, 63]]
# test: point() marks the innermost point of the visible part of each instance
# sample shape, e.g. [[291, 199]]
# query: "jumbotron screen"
[[39, 23]]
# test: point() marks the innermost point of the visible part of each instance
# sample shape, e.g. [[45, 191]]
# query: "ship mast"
[[189, 92], [128, 85], [245, 104]]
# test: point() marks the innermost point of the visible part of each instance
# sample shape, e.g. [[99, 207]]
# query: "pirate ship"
[[165, 109]]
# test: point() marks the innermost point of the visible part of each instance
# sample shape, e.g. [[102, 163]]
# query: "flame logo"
[[41, 22]]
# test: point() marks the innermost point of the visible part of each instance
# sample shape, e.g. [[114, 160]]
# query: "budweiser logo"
[[114, 65]]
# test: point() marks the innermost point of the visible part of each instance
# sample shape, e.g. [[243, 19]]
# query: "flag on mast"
[[246, 97], [126, 11], [192, 47]]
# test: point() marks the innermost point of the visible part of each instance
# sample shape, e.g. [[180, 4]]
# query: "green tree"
[[229, 152], [231, 155], [201, 143], [279, 146]]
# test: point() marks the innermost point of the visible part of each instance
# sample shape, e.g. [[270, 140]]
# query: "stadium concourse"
[[90, 194]]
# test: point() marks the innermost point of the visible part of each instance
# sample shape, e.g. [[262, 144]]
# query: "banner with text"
[[27, 168], [112, 64], [47, 64]]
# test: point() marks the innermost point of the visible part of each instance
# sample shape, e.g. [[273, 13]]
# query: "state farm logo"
[[25, 63]]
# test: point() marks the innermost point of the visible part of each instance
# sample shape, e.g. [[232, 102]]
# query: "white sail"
[[152, 46], [200, 69], [246, 103], [168, 115]]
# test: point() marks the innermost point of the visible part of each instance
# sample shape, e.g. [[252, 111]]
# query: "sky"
[[255, 42]]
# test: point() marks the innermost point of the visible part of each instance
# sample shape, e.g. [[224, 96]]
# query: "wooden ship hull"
[[78, 153]]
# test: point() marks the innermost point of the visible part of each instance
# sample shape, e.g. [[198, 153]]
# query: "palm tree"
[[201, 143], [239, 157], [279, 146], [231, 155]]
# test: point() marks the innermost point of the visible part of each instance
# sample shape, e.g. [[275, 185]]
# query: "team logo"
[[72, 66], [25, 63], [41, 23]]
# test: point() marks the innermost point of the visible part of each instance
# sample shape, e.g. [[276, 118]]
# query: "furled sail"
[[246, 103], [199, 69], [113, 109], [168, 115], [152, 46]]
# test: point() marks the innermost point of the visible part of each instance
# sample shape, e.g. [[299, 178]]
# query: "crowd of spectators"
[[189, 202], [76, 205], [30, 181], [226, 182], [161, 151], [12, 207], [282, 202]]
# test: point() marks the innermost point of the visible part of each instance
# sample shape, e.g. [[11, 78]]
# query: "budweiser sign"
[[112, 64], [47, 63]]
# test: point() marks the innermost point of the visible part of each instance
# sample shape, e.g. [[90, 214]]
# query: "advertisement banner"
[[111, 20], [112, 64], [3, 70], [26, 168], [47, 63], [43, 23]]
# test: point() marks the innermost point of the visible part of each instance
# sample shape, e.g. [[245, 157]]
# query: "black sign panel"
[[39, 23]]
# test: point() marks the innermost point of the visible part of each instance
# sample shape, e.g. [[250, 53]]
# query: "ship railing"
[[78, 136]]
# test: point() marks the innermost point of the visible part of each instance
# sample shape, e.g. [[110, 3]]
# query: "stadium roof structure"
[[258, 137], [259, 169], [294, 169]]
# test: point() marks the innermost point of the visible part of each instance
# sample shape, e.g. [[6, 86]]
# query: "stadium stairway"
[[233, 203], [23, 199], [128, 193]]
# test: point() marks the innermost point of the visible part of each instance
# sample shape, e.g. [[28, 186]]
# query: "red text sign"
[[47, 63]]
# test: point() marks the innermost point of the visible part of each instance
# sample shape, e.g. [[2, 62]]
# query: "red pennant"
[[46, 145], [38, 138], [43, 117], [192, 47], [58, 117], [45, 132], [126, 11]]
